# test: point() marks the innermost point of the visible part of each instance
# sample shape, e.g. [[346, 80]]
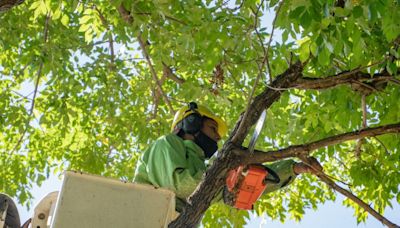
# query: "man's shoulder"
[[169, 140], [169, 137]]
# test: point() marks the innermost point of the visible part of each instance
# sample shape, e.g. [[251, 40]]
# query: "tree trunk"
[[215, 176]]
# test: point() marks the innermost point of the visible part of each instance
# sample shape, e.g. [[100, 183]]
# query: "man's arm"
[[285, 170]]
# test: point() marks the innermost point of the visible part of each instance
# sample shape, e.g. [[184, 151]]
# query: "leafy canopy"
[[77, 91]]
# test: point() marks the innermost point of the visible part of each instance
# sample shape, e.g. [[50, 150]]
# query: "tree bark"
[[305, 149], [8, 4]]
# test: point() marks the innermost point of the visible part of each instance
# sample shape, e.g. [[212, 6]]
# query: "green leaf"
[[324, 57], [305, 20], [297, 12], [65, 20], [357, 12], [391, 68]]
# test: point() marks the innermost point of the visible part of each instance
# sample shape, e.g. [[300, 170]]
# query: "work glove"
[[311, 166]]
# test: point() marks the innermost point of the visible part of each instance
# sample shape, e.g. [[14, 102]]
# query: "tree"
[[107, 77]]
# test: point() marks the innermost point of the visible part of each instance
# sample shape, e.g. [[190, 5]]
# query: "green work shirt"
[[178, 165]]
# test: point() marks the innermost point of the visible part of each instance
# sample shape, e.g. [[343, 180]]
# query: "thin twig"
[[259, 73], [23, 96], [341, 162], [364, 111], [126, 15], [365, 86], [364, 125], [167, 71], [110, 149], [236, 81], [265, 55], [265, 60], [386, 149], [38, 75], [106, 24], [156, 95], [305, 161], [337, 179], [270, 40], [112, 55], [166, 16], [154, 74], [155, 109]]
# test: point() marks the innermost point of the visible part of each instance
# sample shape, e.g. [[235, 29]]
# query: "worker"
[[176, 161]]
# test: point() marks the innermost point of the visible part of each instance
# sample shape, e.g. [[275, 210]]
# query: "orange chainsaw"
[[245, 184]]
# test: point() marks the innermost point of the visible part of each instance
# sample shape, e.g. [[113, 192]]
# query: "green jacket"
[[178, 165]]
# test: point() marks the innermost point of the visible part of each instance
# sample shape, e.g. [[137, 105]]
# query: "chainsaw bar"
[[257, 131]]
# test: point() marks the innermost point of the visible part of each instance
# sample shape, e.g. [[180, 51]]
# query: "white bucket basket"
[[95, 201]]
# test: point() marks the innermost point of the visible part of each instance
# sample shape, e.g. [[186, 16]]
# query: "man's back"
[[172, 163]]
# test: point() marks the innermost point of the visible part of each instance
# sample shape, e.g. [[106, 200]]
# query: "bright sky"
[[330, 215]]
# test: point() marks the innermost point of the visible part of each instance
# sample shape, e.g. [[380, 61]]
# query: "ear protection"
[[192, 123]]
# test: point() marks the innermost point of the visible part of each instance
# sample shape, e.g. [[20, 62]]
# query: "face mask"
[[208, 145]]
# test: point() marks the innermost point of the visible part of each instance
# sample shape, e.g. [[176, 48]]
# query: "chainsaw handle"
[[275, 176]]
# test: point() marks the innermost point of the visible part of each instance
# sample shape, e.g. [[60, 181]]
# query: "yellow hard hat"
[[203, 111]]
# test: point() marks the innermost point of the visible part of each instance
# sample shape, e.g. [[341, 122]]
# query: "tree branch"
[[154, 74], [357, 79], [270, 40], [346, 77], [357, 200], [364, 124], [170, 74], [112, 54], [156, 96], [110, 38], [241, 124], [260, 68], [324, 178], [305, 149], [167, 73], [302, 151], [264, 61], [165, 16], [8, 4], [126, 15]]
